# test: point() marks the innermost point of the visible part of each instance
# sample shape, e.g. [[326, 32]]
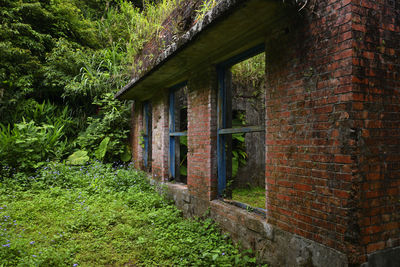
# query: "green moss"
[[253, 196]]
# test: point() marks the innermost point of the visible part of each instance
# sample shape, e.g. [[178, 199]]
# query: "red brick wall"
[[202, 135], [136, 129], [308, 165], [332, 162], [332, 128], [160, 136], [376, 112]]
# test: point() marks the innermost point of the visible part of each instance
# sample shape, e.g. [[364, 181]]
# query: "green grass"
[[97, 215], [253, 196]]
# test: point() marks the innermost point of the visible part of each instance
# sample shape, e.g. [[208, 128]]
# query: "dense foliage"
[[96, 215], [61, 62]]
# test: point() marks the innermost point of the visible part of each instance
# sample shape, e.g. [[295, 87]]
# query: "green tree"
[[76, 54]]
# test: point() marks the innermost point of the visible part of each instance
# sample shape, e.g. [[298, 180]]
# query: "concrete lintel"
[[230, 28]]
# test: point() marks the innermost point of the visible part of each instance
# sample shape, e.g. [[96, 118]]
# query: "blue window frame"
[[147, 130], [174, 134], [224, 126]]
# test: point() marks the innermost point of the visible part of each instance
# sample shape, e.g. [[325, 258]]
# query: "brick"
[[343, 159], [375, 246], [332, 128], [373, 229], [303, 187]]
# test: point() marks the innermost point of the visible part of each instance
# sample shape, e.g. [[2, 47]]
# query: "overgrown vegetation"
[[61, 62], [253, 196], [250, 71], [96, 215]]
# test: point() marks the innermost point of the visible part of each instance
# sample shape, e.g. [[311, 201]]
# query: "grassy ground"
[[95, 216], [254, 196]]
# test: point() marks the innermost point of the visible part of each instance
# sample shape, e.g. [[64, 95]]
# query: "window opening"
[[241, 128], [178, 146], [147, 133]]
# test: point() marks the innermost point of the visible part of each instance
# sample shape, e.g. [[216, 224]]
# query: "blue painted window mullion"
[[172, 134], [172, 130], [221, 111]]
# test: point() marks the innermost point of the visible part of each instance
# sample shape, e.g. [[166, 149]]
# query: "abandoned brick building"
[[322, 129]]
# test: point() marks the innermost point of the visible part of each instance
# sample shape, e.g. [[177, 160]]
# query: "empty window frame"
[[241, 128], [178, 133], [146, 135]]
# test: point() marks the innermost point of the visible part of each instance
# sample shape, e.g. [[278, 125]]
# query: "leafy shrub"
[[79, 157], [46, 113], [63, 63], [26, 146], [103, 71], [31, 110], [112, 124]]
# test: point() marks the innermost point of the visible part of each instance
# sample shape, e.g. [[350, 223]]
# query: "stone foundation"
[[272, 246]]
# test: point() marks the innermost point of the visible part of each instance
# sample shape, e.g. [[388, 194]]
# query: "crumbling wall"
[[135, 135], [250, 98], [178, 22], [202, 135], [160, 137], [332, 106]]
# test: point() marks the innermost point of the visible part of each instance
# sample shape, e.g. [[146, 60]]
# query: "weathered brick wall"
[[332, 130], [308, 128], [376, 112], [202, 135], [136, 129], [332, 164], [160, 137]]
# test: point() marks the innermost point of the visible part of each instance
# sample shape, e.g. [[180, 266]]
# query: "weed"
[[98, 214]]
